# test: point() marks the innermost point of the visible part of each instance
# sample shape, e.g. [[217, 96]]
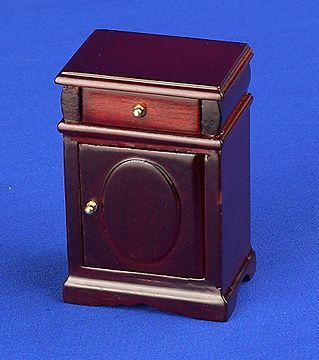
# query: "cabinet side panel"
[[235, 191], [73, 204]]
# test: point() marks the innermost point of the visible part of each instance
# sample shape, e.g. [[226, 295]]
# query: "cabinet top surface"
[[157, 59]]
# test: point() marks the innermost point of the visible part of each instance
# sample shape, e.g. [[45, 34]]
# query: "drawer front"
[[152, 112]]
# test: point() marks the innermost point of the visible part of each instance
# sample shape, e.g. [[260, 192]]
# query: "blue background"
[[277, 312]]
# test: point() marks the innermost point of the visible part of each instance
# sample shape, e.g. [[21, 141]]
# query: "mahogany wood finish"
[[235, 205], [151, 219], [170, 225], [163, 113], [160, 60]]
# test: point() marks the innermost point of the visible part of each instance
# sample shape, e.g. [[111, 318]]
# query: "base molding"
[[201, 301]]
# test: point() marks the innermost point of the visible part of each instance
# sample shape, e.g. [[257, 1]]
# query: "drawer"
[[141, 111]]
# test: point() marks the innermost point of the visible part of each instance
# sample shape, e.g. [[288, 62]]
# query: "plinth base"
[[200, 301]]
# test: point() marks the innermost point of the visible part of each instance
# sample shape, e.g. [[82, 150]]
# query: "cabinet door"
[[149, 210]]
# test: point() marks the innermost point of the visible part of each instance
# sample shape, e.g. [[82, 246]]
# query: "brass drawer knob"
[[91, 207], [139, 110]]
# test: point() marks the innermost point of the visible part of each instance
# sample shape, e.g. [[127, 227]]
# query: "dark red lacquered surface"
[[172, 229], [149, 216], [163, 113], [156, 57]]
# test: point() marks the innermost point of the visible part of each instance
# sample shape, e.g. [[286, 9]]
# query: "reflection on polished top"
[[125, 56]]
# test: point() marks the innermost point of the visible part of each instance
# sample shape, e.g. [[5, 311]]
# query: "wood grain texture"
[[163, 113]]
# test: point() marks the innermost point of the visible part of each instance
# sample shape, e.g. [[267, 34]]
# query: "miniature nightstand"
[[156, 148]]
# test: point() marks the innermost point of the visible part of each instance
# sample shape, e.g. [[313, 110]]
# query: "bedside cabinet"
[[156, 149]]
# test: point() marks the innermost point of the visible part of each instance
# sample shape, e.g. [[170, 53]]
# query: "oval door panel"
[[142, 210]]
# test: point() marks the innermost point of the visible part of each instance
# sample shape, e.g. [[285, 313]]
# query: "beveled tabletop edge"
[[244, 60], [157, 86], [178, 91], [138, 80]]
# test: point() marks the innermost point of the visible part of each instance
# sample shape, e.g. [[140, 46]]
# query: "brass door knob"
[[90, 207], [139, 110]]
